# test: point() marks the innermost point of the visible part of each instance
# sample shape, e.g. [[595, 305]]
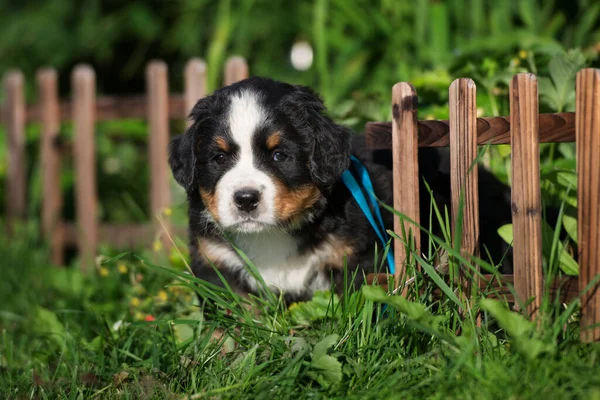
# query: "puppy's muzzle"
[[246, 200]]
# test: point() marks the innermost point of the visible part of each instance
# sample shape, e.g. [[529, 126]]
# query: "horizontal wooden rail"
[[112, 107], [123, 235], [558, 127], [565, 288]]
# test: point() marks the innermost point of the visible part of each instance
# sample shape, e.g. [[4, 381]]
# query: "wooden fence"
[[523, 130], [84, 109]]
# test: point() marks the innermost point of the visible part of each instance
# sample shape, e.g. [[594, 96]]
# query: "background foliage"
[[361, 48]]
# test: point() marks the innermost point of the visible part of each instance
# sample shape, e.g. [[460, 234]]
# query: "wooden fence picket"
[[525, 192], [588, 193], [405, 171], [463, 170], [236, 69], [84, 154], [158, 138], [52, 197], [195, 84], [14, 115]]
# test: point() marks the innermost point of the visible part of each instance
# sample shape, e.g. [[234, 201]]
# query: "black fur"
[[329, 143]]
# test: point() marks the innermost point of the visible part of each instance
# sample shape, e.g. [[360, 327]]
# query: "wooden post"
[[463, 170], [236, 69], [525, 193], [588, 194], [405, 171], [52, 198], [158, 124], [84, 153], [195, 84], [16, 178]]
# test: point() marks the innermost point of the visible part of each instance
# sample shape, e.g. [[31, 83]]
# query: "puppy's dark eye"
[[220, 158], [279, 156]]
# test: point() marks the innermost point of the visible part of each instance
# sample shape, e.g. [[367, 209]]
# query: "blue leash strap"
[[360, 198]]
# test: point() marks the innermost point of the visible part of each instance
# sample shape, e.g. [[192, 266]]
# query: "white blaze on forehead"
[[246, 116]]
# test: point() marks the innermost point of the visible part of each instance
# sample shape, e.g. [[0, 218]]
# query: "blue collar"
[[360, 198]]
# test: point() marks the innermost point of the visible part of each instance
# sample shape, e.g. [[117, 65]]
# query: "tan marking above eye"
[[273, 140], [222, 144]]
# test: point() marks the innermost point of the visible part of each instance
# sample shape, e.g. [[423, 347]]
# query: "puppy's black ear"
[[182, 159], [329, 144], [182, 151]]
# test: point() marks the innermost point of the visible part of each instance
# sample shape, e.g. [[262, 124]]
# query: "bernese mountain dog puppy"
[[261, 164]]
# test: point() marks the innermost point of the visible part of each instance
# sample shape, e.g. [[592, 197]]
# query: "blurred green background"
[[354, 52]]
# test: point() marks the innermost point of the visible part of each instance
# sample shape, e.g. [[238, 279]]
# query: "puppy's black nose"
[[246, 199]]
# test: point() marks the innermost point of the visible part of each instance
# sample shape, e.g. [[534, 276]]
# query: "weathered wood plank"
[[525, 191], [588, 193], [124, 236], [463, 171], [405, 171], [236, 69], [563, 289], [109, 108], [84, 153], [195, 84], [558, 127], [16, 176], [158, 141], [52, 197]]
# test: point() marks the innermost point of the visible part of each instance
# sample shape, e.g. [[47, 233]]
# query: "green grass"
[[60, 338]]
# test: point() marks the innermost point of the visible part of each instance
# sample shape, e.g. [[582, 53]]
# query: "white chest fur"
[[275, 256]]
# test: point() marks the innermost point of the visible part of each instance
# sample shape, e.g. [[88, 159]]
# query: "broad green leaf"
[[506, 233], [321, 306], [567, 264], [513, 323], [557, 91], [415, 311], [324, 368], [46, 322], [503, 150], [324, 345], [519, 328], [183, 332], [570, 224]]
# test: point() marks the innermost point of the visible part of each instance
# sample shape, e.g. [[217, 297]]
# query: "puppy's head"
[[261, 154]]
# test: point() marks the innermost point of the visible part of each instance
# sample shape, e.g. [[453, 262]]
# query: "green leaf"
[[506, 233], [519, 328], [321, 306], [513, 323], [183, 332], [324, 345], [567, 264], [46, 322], [324, 368], [557, 91], [570, 224], [415, 311]]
